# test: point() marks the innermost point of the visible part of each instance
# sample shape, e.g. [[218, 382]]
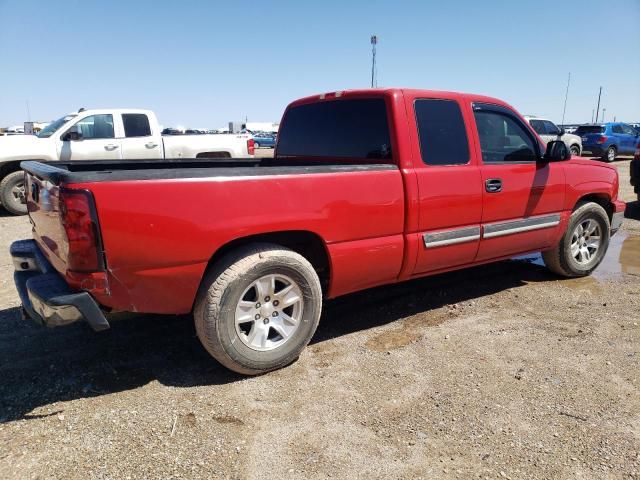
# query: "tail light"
[[78, 217], [601, 139], [251, 146], [637, 155]]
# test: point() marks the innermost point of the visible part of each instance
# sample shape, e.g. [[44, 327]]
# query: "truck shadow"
[[40, 367]]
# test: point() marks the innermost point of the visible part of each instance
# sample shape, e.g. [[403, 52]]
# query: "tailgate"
[[44, 213]]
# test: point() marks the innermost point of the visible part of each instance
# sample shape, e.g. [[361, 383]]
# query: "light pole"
[[374, 42], [566, 95], [603, 112], [598, 108]]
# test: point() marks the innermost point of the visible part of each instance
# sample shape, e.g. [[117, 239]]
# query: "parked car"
[[608, 140], [368, 187], [635, 172], [104, 135], [264, 140], [548, 131]]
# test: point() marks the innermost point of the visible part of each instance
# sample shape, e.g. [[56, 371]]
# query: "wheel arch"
[[306, 243], [601, 199]]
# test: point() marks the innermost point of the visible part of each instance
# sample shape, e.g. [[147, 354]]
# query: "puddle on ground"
[[623, 256]]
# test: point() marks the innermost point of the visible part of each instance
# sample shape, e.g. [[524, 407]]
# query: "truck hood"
[[22, 147]]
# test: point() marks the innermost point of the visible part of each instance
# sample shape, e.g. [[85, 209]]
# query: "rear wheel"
[[258, 309], [12, 193], [584, 243], [575, 150], [610, 154]]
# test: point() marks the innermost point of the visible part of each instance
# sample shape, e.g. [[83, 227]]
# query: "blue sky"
[[203, 63]]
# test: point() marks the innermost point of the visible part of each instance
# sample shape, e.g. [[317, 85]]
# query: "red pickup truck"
[[366, 188]]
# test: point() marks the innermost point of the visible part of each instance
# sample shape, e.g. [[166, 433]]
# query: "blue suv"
[[608, 140]]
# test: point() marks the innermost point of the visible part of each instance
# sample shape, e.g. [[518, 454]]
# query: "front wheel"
[[258, 309], [584, 243], [575, 150], [12, 193]]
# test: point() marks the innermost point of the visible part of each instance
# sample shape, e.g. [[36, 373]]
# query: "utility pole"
[[598, 109], [603, 112], [592, 112], [374, 42], [565, 98]]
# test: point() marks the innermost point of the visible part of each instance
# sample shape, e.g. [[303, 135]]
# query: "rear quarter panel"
[[159, 235]]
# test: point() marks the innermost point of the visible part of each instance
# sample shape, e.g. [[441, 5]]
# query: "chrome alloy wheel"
[[18, 192], [269, 312], [611, 154], [585, 241]]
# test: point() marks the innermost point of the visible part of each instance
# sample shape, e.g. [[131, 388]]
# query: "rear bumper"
[[593, 151], [46, 298]]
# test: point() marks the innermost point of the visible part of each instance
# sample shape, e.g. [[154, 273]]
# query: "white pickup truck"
[[105, 135]]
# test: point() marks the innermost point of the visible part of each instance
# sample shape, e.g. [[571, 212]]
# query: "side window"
[[629, 130], [96, 126], [502, 139], [617, 129], [136, 125], [443, 138], [551, 128], [538, 126]]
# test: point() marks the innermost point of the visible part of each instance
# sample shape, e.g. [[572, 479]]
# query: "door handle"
[[151, 145], [493, 185], [110, 146]]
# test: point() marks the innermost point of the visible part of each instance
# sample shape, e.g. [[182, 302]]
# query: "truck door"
[[449, 185], [96, 140], [523, 198], [139, 140]]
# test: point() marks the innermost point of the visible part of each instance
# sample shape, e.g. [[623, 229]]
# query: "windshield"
[[50, 129]]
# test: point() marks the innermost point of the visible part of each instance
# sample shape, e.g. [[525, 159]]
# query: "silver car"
[[549, 131]]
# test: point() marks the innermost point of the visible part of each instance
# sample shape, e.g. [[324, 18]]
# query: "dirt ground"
[[502, 371]]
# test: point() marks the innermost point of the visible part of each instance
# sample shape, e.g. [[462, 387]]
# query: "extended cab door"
[[449, 184], [96, 140], [140, 140], [523, 198]]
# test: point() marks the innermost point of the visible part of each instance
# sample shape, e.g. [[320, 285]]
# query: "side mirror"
[[557, 151], [73, 134]]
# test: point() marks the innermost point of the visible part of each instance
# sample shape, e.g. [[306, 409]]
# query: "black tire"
[[559, 259], [575, 150], [10, 202], [610, 154], [221, 291]]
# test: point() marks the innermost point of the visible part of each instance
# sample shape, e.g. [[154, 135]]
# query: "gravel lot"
[[498, 371]]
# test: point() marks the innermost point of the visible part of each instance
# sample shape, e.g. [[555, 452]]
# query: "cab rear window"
[[356, 129]]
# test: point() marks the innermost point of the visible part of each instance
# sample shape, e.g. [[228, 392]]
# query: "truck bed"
[[93, 171]]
